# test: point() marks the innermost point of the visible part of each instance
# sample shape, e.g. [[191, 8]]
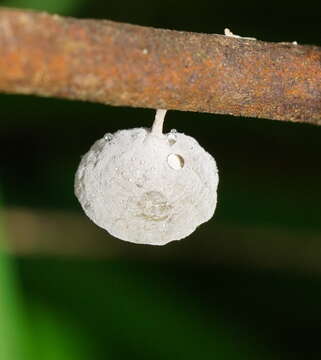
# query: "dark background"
[[246, 285]]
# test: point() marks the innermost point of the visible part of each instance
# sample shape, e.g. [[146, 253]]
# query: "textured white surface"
[[147, 188]]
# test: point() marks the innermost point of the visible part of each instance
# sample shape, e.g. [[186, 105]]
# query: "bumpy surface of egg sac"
[[147, 187]]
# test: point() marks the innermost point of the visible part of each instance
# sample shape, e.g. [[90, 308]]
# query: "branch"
[[38, 232], [121, 64]]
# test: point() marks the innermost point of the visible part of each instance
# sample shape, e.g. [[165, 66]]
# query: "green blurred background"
[[246, 285]]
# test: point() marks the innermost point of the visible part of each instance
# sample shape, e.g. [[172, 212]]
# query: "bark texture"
[[128, 65]]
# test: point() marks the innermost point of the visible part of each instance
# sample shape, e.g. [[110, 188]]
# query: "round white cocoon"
[[147, 188]]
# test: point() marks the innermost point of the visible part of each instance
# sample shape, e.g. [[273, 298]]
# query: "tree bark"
[[128, 65]]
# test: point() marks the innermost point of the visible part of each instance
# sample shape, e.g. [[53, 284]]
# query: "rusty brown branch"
[[122, 64]]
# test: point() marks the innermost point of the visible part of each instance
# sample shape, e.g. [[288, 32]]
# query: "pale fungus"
[[147, 187]]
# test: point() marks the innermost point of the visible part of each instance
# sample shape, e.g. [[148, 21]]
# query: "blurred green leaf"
[[131, 311], [63, 7], [31, 333], [11, 322], [53, 338]]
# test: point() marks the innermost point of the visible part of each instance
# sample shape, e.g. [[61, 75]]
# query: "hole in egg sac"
[[175, 161]]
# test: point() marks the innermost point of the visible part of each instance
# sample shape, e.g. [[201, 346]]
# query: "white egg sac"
[[147, 188]]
